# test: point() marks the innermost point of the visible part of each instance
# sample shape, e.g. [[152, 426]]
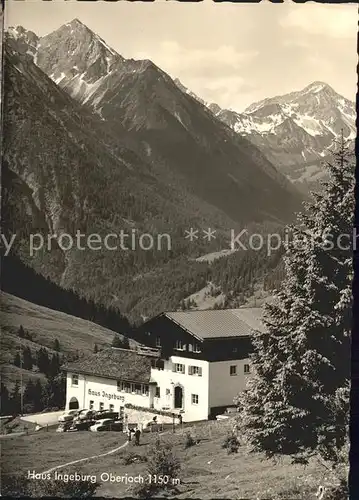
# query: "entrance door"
[[74, 404], [178, 397]]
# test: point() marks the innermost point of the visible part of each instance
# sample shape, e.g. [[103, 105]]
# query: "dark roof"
[[113, 363], [219, 323]]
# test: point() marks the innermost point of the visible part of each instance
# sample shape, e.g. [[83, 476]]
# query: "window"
[[179, 368], [158, 392], [158, 341], [91, 406], [195, 370], [136, 388], [233, 370], [197, 348], [112, 408], [101, 406], [126, 387], [158, 364], [75, 380], [247, 369], [235, 349], [195, 399], [145, 390], [179, 345], [123, 386]]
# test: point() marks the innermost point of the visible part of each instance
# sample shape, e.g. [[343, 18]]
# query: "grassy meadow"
[[207, 471]]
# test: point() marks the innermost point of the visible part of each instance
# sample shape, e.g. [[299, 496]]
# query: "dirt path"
[[86, 458], [61, 466]]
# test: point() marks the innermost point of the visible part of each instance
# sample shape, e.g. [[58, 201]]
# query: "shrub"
[[189, 441], [161, 462], [131, 457], [29, 408], [338, 492], [18, 486], [231, 443]]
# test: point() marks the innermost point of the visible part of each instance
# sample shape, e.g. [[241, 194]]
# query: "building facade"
[[193, 365]]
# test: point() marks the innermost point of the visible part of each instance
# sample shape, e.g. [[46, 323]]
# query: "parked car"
[[86, 414], [231, 411], [64, 426], [222, 417], [101, 414], [107, 424], [83, 425], [68, 416]]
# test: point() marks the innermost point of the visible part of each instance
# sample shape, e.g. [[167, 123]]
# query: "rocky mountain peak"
[[22, 40], [76, 57], [296, 130], [318, 87]]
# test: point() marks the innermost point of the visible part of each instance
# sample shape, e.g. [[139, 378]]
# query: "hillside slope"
[[45, 325]]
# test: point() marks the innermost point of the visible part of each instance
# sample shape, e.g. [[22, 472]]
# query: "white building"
[[195, 364]]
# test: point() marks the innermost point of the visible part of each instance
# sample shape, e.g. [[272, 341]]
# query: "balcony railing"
[[148, 351]]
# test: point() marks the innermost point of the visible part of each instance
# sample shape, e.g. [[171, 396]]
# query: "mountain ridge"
[[314, 116], [139, 97]]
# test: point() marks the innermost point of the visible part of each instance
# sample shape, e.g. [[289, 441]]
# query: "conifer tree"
[[15, 398], [43, 361], [54, 366], [29, 396], [125, 343], [27, 358], [38, 391], [120, 343], [17, 360], [297, 402], [116, 341], [56, 345], [5, 400]]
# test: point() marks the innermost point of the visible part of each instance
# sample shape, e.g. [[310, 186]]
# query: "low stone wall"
[[142, 417]]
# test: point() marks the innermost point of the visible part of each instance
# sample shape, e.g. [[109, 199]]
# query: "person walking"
[[137, 437]]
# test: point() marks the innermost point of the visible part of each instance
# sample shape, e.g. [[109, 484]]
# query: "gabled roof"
[[219, 323], [114, 363]]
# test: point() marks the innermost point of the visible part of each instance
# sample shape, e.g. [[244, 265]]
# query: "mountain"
[[99, 144], [168, 128], [56, 169], [295, 130]]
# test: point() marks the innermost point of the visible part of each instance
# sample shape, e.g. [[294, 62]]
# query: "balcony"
[[148, 351]]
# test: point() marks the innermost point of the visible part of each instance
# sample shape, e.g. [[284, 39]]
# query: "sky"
[[231, 54]]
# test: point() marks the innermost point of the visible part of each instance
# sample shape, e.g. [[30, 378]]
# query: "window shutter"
[[190, 370], [200, 371]]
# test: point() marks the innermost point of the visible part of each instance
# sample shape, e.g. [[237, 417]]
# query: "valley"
[[101, 124], [167, 161]]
